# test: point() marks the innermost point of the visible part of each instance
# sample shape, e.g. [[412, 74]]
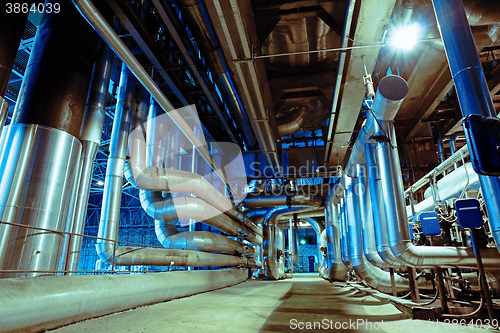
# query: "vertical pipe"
[[365, 207], [442, 291], [110, 213], [472, 89], [377, 204], [38, 173], [90, 135], [392, 189]]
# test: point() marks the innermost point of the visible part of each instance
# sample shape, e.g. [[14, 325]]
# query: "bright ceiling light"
[[302, 241], [99, 182], [405, 37]]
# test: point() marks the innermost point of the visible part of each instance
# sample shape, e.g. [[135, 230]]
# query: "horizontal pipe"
[[44, 303], [177, 208], [131, 256], [266, 200], [204, 241]]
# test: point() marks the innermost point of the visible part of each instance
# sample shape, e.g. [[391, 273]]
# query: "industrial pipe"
[[293, 121], [173, 209], [335, 269], [377, 205], [110, 213], [397, 223], [365, 211], [205, 241], [470, 83], [266, 200], [48, 114], [90, 135], [369, 274], [44, 303]]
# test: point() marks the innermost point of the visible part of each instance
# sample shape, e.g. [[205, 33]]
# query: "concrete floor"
[[266, 306]]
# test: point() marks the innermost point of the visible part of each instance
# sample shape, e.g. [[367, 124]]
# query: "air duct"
[[44, 303], [470, 84], [293, 121]]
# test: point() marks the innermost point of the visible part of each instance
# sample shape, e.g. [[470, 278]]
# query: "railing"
[[71, 234]]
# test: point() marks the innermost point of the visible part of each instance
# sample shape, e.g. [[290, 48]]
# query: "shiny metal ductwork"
[[292, 122], [195, 13], [377, 206], [205, 241], [173, 209], [366, 216], [266, 200], [270, 264], [90, 135], [470, 83], [30, 305], [318, 229], [335, 269], [371, 275], [391, 92], [110, 213], [41, 144], [280, 247], [397, 223]]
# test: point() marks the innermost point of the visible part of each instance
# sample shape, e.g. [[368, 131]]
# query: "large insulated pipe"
[[197, 17], [470, 83], [391, 92], [377, 205], [43, 144], [266, 200], [12, 27], [113, 182], [280, 246], [450, 186], [344, 241], [205, 241], [369, 274], [365, 212], [318, 229], [335, 269], [292, 122], [268, 245], [90, 135], [173, 209], [44, 303], [397, 223]]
